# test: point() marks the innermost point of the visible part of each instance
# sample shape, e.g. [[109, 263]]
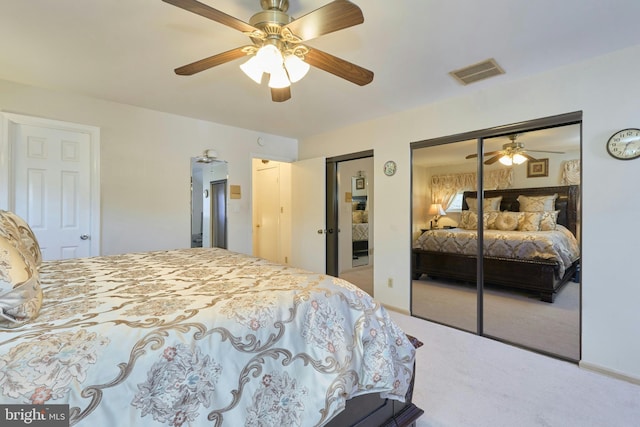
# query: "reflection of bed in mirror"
[[359, 231], [534, 258]]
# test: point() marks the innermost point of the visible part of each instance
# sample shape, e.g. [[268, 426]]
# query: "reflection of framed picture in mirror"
[[359, 183], [536, 168]]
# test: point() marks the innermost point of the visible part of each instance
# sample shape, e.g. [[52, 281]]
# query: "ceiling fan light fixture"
[[506, 160], [270, 58], [279, 79], [253, 69], [296, 68], [519, 159]]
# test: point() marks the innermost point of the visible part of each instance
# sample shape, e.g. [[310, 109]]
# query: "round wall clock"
[[624, 144], [390, 168]]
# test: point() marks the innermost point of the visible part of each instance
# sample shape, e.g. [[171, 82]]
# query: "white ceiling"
[[126, 50]]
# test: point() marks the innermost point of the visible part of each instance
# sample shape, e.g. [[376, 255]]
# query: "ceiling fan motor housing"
[[281, 5]]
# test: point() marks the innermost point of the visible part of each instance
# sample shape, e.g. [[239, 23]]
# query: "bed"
[[359, 230], [197, 337], [533, 259]]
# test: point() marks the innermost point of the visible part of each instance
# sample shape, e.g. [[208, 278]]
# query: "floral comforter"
[[558, 245], [200, 337]]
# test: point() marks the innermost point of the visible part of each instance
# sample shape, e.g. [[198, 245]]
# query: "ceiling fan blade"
[[280, 95], [492, 160], [531, 159], [337, 15], [213, 14], [338, 67], [212, 61], [488, 153]]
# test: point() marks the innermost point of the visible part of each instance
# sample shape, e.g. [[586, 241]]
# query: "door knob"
[[84, 237]]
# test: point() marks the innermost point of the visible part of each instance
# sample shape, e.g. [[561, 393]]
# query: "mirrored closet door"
[[526, 232]]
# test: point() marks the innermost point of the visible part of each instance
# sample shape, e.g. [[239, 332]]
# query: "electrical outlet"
[[390, 282]]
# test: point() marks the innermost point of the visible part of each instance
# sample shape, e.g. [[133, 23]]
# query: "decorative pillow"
[[537, 203], [530, 221], [356, 217], [27, 237], [548, 220], [20, 293], [468, 220], [365, 216], [490, 219], [508, 221], [489, 204]]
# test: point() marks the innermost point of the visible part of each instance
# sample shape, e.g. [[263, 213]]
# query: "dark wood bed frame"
[[371, 410], [540, 276]]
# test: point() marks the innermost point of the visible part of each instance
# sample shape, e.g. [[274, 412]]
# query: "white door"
[[53, 185], [308, 205], [267, 215]]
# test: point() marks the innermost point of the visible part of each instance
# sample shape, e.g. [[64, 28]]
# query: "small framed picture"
[[536, 168], [359, 183]]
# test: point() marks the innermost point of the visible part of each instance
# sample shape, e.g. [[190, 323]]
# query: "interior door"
[[52, 188], [267, 213], [308, 204]]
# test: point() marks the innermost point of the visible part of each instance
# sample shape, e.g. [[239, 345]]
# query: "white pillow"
[[489, 204], [537, 203]]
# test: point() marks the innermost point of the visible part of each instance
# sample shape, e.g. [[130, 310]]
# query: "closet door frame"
[[480, 135]]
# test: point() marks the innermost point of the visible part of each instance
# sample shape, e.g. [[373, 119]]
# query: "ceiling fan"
[[277, 47], [512, 153]]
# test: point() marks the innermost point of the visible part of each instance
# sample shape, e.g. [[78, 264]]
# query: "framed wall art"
[[537, 168]]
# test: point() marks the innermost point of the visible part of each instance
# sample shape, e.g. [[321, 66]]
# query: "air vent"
[[480, 71]]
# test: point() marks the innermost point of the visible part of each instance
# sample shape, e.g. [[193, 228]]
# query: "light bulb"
[[518, 159], [506, 160], [296, 67], [270, 58], [279, 79], [253, 69]]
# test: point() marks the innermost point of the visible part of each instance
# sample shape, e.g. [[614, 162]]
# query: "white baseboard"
[[609, 372]]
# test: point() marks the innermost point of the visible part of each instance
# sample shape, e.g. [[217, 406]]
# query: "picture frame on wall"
[[537, 168], [359, 183]]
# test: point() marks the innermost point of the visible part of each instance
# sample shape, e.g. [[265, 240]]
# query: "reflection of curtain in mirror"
[[445, 187], [571, 172], [498, 179]]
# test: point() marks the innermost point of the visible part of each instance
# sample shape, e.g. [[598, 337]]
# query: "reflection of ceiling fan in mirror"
[[512, 153], [277, 47]]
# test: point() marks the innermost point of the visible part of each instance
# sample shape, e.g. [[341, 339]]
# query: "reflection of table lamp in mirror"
[[436, 209]]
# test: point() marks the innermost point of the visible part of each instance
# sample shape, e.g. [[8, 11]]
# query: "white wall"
[[145, 166], [609, 96]]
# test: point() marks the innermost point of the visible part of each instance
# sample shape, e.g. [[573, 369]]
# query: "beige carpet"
[[520, 318], [466, 380], [362, 277]]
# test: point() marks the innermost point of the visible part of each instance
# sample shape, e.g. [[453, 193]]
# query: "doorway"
[[350, 201], [209, 203], [49, 175]]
